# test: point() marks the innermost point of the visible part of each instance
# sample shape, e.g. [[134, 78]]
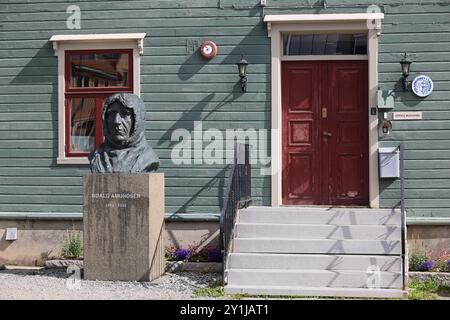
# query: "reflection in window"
[[82, 117], [324, 44], [99, 70]]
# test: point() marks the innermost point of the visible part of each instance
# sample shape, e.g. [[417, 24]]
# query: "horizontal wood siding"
[[422, 31], [179, 88]]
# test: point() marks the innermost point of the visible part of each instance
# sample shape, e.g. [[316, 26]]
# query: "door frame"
[[277, 25]]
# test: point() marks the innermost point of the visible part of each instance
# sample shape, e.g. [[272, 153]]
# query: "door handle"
[[326, 133]]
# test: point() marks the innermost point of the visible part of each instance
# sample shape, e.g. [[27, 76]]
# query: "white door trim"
[[277, 25]]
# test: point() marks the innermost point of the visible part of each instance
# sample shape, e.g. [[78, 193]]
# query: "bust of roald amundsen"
[[125, 148]]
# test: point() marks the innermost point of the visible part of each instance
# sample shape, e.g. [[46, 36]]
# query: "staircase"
[[316, 251]]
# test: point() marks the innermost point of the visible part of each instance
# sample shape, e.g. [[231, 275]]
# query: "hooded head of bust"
[[125, 148], [123, 120]]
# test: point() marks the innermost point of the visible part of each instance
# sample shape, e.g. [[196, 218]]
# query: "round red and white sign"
[[208, 49]]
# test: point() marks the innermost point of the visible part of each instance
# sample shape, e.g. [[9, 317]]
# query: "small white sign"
[[422, 86], [407, 115], [11, 234]]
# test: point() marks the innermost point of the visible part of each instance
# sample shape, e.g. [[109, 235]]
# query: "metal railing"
[[237, 196], [403, 212]]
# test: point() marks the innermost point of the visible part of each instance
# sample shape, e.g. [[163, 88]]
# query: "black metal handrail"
[[237, 196]]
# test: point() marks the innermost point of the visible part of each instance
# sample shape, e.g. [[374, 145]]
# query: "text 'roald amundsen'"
[[115, 195]]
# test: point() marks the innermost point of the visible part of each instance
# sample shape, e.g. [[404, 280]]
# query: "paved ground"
[[57, 284], [49, 284]]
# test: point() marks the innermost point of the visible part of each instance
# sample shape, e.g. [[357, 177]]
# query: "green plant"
[[199, 257], [442, 266], [213, 290], [73, 246], [427, 290], [178, 254], [170, 253], [442, 258], [416, 259], [436, 261], [193, 253]]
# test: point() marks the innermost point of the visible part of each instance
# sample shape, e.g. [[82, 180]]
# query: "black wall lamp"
[[406, 64], [242, 66]]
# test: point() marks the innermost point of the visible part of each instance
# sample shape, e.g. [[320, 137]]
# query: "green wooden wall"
[[179, 87]]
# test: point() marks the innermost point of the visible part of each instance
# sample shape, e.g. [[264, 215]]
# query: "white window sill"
[[72, 161]]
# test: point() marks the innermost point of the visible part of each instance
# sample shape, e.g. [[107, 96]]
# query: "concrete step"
[[315, 291], [275, 245], [314, 262], [331, 216], [315, 231], [315, 278], [320, 209]]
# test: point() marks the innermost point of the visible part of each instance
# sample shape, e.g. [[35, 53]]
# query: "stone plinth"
[[123, 226]]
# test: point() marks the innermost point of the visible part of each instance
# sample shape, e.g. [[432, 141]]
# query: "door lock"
[[324, 113]]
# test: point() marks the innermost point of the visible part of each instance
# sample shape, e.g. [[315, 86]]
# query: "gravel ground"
[[56, 284]]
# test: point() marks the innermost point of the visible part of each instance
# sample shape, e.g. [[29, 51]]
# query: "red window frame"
[[99, 93]]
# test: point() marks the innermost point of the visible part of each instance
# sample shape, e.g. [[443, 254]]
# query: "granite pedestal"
[[123, 226]]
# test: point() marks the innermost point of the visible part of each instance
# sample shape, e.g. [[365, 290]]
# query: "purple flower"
[[427, 265], [214, 255], [182, 254]]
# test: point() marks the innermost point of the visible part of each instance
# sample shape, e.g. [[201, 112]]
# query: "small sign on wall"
[[416, 115], [11, 234], [422, 86]]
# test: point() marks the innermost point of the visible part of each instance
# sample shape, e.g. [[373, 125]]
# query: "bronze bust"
[[125, 148]]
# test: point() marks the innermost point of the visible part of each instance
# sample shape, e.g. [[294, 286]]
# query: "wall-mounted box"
[[385, 99], [389, 160]]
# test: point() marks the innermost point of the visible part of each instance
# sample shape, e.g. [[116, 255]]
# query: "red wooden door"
[[325, 133]]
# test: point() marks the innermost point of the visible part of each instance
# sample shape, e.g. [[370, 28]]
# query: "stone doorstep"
[[171, 266], [441, 277]]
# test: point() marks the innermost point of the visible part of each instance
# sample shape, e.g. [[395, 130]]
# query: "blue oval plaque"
[[422, 86]]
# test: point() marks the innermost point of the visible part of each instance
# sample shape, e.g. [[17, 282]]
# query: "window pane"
[[99, 70], [82, 122], [319, 44]]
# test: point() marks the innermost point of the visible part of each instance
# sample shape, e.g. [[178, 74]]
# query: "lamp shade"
[[242, 65], [406, 63]]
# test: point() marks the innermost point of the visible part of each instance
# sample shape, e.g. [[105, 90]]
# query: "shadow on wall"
[[42, 69], [194, 65], [430, 239], [405, 97], [4, 244], [37, 240], [199, 235], [218, 180]]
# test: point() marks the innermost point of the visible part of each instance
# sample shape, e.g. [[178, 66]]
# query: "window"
[[324, 44], [91, 67], [90, 77]]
